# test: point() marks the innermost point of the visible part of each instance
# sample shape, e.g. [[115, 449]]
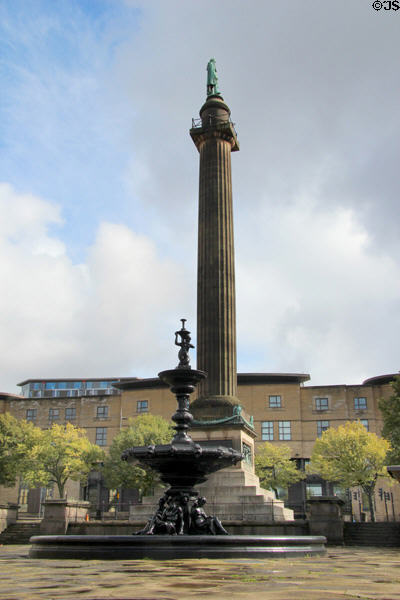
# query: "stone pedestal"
[[8, 515], [235, 494], [59, 513], [325, 518]]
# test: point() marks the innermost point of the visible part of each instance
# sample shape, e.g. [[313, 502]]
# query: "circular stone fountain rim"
[[165, 547]]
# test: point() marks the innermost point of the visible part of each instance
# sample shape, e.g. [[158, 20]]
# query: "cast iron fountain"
[[183, 464], [179, 528]]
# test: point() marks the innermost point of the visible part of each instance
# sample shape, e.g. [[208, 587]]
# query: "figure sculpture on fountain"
[[168, 519], [201, 524], [183, 354]]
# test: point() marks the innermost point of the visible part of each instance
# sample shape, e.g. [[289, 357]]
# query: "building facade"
[[283, 408]]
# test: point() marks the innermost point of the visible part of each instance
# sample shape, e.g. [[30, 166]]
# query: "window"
[[285, 432], [321, 404], [267, 430], [54, 415], [23, 495], [275, 402], [102, 412], [74, 385], [70, 413], [360, 403], [61, 385], [31, 414], [142, 406], [321, 427], [60, 393], [301, 463], [101, 436], [98, 385], [365, 423], [313, 489], [49, 389], [35, 390], [341, 492]]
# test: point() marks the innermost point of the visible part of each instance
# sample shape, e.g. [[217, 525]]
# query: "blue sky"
[[61, 136], [98, 183]]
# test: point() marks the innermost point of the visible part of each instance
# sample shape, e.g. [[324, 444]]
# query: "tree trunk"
[[61, 487]]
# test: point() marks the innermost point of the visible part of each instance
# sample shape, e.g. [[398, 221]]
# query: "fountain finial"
[[185, 345]]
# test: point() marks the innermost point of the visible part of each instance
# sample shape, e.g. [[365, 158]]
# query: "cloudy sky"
[[99, 179]]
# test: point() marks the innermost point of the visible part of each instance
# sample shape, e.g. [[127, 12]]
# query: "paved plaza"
[[343, 574]]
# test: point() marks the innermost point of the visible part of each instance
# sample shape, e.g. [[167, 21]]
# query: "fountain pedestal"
[[183, 463]]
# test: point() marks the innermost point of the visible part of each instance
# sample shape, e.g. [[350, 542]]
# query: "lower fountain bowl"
[[159, 547]]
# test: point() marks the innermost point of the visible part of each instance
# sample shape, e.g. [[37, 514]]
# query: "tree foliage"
[[58, 454], [390, 408], [16, 441], [274, 467], [351, 456], [142, 431]]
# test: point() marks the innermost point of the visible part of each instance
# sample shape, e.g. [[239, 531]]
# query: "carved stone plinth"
[[59, 513], [325, 517]]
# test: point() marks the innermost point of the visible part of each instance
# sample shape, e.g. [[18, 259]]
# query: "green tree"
[[60, 453], [16, 441], [142, 431], [390, 409], [351, 456], [274, 467]]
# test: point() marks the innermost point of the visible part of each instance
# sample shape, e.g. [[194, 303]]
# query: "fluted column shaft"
[[216, 308]]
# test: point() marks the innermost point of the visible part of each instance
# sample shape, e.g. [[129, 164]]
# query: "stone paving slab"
[[343, 574]]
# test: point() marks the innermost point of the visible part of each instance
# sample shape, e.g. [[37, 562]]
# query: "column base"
[[212, 408]]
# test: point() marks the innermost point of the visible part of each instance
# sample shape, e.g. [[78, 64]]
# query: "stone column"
[[215, 139]]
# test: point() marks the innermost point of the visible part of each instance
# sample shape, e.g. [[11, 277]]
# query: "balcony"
[[213, 121]]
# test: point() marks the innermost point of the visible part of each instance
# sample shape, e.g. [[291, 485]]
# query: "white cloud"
[[113, 315], [324, 303]]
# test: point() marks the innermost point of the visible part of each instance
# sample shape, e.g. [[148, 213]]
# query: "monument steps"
[[19, 533], [372, 534], [241, 491], [232, 495]]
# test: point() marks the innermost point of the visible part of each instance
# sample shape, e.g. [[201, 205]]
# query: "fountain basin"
[[183, 464], [166, 547]]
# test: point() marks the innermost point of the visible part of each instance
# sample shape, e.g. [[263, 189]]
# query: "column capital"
[[223, 130]]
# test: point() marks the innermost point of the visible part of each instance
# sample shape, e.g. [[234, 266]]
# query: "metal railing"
[[212, 121], [111, 511], [240, 512]]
